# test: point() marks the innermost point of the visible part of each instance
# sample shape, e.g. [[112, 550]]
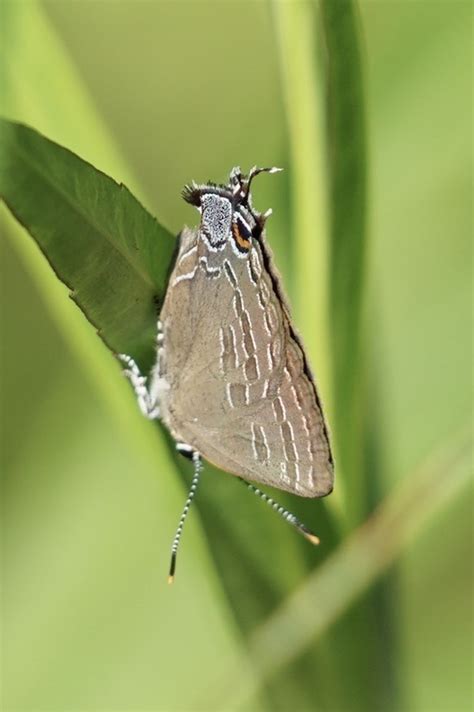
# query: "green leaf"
[[347, 206], [298, 38], [100, 241]]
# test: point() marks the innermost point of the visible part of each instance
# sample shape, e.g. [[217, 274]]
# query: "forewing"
[[224, 336]]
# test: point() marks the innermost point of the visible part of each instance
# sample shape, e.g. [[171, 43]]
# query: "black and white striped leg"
[[288, 516], [196, 458], [146, 403]]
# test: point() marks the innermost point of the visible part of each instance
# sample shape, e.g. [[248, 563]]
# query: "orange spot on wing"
[[240, 240]]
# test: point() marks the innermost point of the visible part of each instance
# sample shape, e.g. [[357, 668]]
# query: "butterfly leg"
[[146, 402]]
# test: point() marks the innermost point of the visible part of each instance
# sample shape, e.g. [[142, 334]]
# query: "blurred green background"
[[155, 94]]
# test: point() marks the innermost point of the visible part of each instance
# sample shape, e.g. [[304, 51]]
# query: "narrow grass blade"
[[347, 190]]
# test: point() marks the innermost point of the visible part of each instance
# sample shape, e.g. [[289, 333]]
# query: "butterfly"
[[231, 380]]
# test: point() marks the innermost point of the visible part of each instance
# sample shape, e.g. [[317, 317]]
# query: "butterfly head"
[[227, 212]]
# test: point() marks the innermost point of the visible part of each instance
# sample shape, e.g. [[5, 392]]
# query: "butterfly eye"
[[241, 234]]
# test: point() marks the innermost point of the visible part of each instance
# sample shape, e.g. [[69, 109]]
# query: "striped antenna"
[[196, 458], [254, 172], [288, 516]]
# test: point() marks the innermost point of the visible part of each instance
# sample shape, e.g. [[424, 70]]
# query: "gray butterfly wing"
[[239, 388]]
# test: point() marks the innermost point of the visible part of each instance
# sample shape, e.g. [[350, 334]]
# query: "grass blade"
[[347, 173], [302, 85]]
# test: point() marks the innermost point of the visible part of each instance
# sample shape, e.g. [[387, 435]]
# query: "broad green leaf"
[[111, 253]]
